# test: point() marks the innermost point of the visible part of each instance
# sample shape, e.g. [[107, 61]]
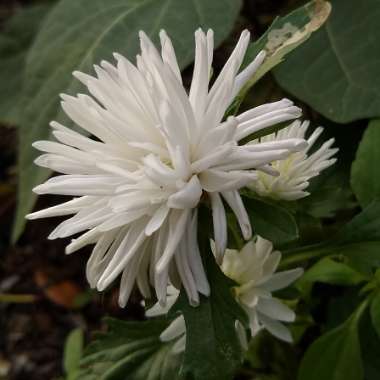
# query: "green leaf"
[[331, 272], [130, 350], [79, 33], [213, 349], [329, 193], [271, 358], [375, 312], [336, 70], [335, 355], [360, 238], [283, 36], [73, 351], [363, 227], [15, 38], [370, 345], [365, 179], [271, 221]]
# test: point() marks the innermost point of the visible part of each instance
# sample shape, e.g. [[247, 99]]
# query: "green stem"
[[305, 253]]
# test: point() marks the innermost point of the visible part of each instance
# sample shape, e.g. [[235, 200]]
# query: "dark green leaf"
[[358, 240], [271, 221], [363, 256], [130, 350], [363, 227], [370, 345], [213, 350], [79, 33], [335, 355], [336, 71], [331, 272], [329, 193], [268, 355], [73, 351], [15, 38], [375, 312], [365, 179]]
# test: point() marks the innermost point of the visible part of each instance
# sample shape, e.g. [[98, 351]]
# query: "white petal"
[[248, 72], [188, 196], [66, 208], [185, 273], [282, 279], [178, 221], [220, 225], [174, 330], [179, 345], [194, 256], [125, 252], [168, 55], [157, 219], [276, 328], [275, 309], [234, 201]]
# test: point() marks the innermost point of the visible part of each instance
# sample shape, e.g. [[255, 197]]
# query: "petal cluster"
[[295, 171], [254, 270], [154, 151]]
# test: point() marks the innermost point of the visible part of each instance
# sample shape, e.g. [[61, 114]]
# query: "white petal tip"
[[100, 286], [247, 232], [69, 251], [194, 303], [39, 189]]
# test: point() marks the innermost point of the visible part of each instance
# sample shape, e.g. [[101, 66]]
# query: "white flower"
[[296, 170], [155, 151], [253, 269]]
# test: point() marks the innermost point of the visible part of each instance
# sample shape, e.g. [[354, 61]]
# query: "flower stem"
[[305, 253]]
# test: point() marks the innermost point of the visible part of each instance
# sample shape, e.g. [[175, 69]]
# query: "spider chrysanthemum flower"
[[296, 170], [254, 270], [154, 150]]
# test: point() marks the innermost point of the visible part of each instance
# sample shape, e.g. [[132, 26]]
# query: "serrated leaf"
[[79, 33], [283, 36], [213, 350], [375, 312], [365, 179], [334, 355], [336, 70], [130, 350], [271, 221], [15, 38]]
